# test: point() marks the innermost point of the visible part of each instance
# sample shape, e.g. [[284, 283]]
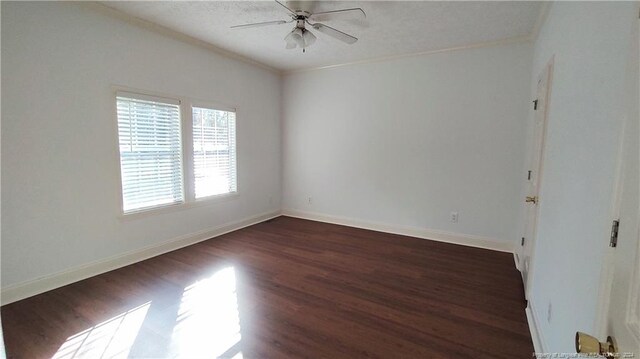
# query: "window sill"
[[171, 208]]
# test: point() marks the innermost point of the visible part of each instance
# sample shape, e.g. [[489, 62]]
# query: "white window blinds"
[[150, 151], [214, 152]]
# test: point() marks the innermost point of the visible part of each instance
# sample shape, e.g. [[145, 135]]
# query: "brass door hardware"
[[587, 344], [531, 199]]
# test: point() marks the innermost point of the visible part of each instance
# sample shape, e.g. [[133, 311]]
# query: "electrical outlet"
[[549, 307], [454, 217], [309, 200]]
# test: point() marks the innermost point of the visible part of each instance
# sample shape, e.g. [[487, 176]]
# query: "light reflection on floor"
[[110, 339], [208, 323], [207, 326]]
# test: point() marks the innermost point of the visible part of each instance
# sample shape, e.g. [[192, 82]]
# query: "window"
[[169, 156], [150, 152], [214, 151]]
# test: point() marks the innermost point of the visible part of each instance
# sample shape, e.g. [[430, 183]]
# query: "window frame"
[[215, 107], [186, 105]]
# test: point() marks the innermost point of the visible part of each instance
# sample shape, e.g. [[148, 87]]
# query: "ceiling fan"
[[303, 38]]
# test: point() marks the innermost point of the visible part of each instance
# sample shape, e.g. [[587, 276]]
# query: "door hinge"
[[535, 104], [529, 176], [614, 233], [522, 242]]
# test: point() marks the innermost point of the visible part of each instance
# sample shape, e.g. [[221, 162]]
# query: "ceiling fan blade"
[[357, 13], [336, 34], [286, 7], [258, 24]]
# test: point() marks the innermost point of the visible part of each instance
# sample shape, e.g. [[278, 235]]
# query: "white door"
[[534, 173], [623, 316]]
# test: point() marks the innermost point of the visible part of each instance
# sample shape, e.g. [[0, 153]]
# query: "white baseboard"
[[30, 288], [539, 344], [435, 235], [40, 285], [516, 261]]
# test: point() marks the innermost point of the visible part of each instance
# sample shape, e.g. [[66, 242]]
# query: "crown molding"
[[544, 12], [511, 40], [165, 31], [176, 35]]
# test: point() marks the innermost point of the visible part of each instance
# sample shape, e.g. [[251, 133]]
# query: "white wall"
[[590, 42], [404, 142], [59, 163]]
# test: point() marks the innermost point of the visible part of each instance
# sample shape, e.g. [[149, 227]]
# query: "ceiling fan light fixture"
[[291, 43], [299, 37], [296, 35], [308, 37]]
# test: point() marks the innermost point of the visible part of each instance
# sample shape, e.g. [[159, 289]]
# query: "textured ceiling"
[[391, 28]]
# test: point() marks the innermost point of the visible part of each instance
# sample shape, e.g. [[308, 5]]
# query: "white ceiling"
[[391, 28]]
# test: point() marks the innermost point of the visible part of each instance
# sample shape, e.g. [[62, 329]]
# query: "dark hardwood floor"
[[286, 288]]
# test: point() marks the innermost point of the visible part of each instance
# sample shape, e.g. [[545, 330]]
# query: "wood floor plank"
[[286, 288]]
